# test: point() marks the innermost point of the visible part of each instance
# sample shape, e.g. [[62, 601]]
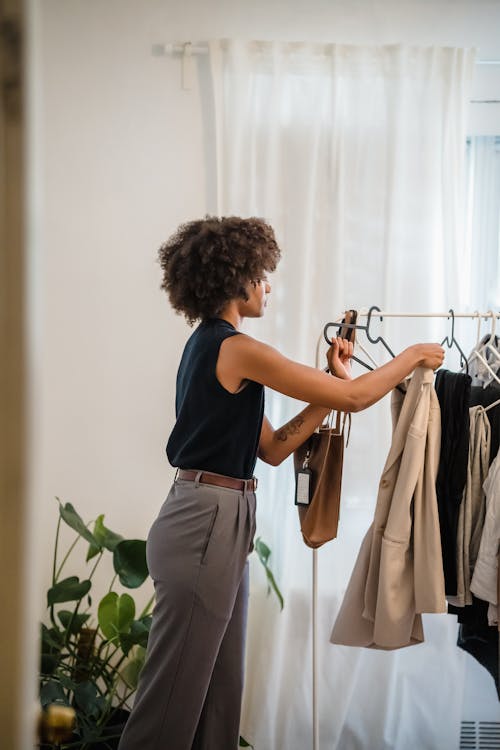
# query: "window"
[[482, 261]]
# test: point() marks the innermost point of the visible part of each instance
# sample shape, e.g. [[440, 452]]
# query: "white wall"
[[118, 163]]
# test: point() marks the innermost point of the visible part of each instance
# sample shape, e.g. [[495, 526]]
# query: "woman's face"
[[257, 292]]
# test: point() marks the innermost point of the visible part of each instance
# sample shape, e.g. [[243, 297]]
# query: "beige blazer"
[[399, 571]]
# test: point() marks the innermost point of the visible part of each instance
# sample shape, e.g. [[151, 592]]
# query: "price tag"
[[303, 487]]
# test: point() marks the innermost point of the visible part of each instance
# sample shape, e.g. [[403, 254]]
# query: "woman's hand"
[[338, 356], [431, 355]]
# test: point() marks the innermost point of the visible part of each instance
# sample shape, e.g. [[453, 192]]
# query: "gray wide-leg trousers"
[[189, 693]]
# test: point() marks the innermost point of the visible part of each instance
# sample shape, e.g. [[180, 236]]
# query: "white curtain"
[[356, 156]]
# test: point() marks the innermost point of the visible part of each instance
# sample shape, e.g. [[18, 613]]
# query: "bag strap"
[[349, 316], [325, 458], [342, 417], [348, 429]]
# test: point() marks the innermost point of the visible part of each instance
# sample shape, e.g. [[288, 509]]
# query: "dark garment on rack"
[[479, 639], [475, 635], [477, 612], [474, 615], [453, 391], [481, 642]]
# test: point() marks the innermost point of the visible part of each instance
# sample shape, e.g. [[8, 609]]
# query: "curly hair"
[[210, 261]]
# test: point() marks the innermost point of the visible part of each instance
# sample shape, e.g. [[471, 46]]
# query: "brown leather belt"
[[205, 477]]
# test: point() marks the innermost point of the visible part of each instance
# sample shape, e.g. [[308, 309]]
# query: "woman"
[[215, 271]]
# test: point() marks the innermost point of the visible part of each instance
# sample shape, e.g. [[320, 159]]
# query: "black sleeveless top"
[[215, 430]]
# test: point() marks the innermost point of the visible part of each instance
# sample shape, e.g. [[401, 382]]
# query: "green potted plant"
[[92, 655]]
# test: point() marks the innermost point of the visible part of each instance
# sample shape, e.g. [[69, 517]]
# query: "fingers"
[[333, 351], [345, 347], [434, 356], [338, 356], [441, 355], [438, 354]]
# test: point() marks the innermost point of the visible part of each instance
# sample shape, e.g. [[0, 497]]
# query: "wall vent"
[[480, 735]]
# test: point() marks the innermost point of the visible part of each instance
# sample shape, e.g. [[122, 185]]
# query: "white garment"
[[472, 507], [484, 580], [478, 371]]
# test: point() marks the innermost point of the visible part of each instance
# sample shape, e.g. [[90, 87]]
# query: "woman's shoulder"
[[244, 347]]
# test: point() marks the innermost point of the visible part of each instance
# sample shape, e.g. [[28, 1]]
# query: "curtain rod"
[[202, 49], [187, 50]]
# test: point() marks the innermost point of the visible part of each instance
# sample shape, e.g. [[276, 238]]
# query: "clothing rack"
[[475, 315], [368, 313]]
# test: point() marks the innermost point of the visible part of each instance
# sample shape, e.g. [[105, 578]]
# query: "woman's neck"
[[232, 315]]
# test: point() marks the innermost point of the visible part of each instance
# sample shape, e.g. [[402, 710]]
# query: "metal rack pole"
[[315, 716]]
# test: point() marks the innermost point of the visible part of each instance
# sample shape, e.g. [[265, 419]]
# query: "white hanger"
[[491, 406], [479, 321], [490, 344], [476, 355], [367, 354]]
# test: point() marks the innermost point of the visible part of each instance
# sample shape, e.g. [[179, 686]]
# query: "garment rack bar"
[[473, 315]]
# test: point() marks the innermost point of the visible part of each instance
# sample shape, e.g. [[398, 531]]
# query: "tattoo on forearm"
[[290, 428]]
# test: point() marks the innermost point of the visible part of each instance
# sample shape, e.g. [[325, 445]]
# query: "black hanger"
[[343, 325], [450, 342], [365, 328], [370, 338]]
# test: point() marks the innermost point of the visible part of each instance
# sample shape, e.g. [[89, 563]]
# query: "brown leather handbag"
[[318, 466], [322, 457]]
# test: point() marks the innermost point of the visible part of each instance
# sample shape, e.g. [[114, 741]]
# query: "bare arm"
[[276, 445], [247, 358]]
